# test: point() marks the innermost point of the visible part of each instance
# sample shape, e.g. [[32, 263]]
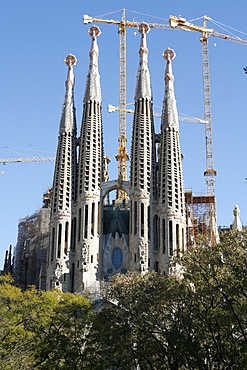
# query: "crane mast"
[[210, 172], [181, 23], [122, 155]]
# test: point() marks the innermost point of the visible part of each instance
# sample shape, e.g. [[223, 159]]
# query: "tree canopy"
[[43, 330], [194, 320], [197, 321]]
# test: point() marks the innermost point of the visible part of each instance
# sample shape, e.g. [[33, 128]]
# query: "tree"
[[198, 321], [148, 323], [218, 275], [14, 339], [44, 330]]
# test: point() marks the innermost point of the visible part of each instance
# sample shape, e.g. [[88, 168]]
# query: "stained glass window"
[[117, 258]]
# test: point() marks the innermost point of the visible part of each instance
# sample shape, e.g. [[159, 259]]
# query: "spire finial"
[[70, 60], [94, 32], [168, 55], [143, 29]]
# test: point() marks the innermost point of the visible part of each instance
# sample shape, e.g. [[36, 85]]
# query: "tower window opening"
[[148, 222], [52, 243], [170, 237], [130, 223], [142, 219], [86, 221], [79, 225], [177, 238], [135, 217], [99, 218], [156, 231], [66, 238], [182, 240], [164, 235], [72, 277], [73, 233], [59, 241], [92, 219]]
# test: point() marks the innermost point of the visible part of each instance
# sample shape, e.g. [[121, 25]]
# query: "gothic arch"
[[108, 186]]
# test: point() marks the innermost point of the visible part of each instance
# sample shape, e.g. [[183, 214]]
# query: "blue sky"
[[36, 36]]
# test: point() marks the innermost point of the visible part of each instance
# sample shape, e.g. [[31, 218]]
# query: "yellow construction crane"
[[25, 160], [28, 159], [181, 23], [174, 23]]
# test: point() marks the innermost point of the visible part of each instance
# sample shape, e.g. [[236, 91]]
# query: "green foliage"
[[218, 275], [149, 323], [197, 321], [43, 330]]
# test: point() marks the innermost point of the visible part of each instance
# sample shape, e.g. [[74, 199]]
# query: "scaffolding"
[[31, 249], [201, 217]]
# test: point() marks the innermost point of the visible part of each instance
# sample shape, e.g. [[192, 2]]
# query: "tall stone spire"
[[63, 192], [143, 86], [93, 90], [169, 109], [142, 164], [87, 223], [171, 222]]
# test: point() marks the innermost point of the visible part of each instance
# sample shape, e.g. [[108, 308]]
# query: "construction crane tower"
[[122, 155], [182, 24]]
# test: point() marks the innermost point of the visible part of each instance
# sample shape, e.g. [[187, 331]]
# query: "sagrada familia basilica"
[[79, 238], [91, 239]]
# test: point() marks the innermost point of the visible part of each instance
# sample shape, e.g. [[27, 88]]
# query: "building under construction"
[[88, 238], [30, 256], [79, 239]]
